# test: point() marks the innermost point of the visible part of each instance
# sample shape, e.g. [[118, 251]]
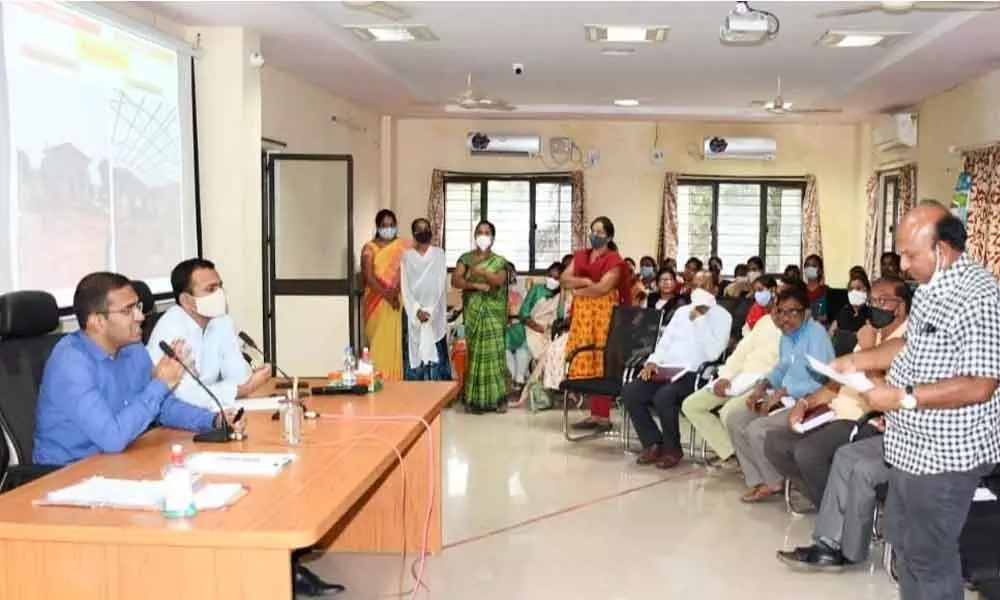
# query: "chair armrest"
[[578, 351], [18, 475], [862, 421]]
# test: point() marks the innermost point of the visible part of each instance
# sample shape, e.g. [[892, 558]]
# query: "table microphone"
[[246, 339], [215, 436]]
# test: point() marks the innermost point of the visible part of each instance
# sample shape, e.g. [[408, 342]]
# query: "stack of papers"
[[856, 381], [137, 494], [821, 415], [269, 404], [267, 464]]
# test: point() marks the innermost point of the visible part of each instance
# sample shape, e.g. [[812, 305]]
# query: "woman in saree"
[[481, 275], [424, 288], [380, 264], [600, 280]]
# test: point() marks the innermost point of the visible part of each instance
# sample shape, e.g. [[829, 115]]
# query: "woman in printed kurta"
[[600, 280], [482, 276]]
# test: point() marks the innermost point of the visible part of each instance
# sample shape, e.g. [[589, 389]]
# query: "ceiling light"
[[859, 39], [623, 34], [627, 102], [382, 9], [392, 33]]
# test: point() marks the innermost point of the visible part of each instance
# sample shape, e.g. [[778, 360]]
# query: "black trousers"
[[806, 458], [642, 398], [924, 519]]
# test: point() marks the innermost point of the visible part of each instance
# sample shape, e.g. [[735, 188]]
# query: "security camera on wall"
[[256, 60]]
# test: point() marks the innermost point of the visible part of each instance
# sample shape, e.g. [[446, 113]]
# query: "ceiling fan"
[[898, 7], [470, 100], [779, 106]]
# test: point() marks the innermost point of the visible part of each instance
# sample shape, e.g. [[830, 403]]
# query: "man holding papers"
[[754, 357], [790, 380], [199, 318], [697, 333], [821, 423], [940, 398]]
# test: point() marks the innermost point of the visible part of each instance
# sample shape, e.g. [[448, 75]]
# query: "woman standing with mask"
[[380, 265], [600, 280], [424, 291], [815, 279], [481, 275]]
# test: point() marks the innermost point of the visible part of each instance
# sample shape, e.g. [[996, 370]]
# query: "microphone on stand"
[[248, 341], [215, 436]]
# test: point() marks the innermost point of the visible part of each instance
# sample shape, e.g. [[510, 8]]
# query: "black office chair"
[[631, 338], [27, 320], [836, 299], [148, 308], [844, 342]]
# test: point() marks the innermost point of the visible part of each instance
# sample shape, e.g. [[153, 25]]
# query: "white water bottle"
[[178, 486], [348, 378]]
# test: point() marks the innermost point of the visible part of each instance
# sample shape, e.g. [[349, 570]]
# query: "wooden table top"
[[294, 509]]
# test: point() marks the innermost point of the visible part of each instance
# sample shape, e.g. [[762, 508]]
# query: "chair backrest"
[[148, 308], [738, 309], [844, 342], [632, 336], [836, 299], [27, 320]]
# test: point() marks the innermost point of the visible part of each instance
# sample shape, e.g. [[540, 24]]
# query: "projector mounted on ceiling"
[[745, 26]]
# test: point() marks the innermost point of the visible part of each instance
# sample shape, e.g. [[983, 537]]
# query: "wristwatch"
[[909, 401]]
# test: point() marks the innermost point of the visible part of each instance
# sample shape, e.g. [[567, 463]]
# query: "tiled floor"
[[528, 515]]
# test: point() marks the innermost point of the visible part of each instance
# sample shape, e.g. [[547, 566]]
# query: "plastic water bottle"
[[348, 377], [178, 486]]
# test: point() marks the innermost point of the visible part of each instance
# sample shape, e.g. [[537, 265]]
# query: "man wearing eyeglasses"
[[100, 390]]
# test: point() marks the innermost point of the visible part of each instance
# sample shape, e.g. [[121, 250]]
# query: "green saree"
[[485, 319]]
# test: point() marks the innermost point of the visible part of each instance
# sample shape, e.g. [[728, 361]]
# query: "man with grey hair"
[[941, 401]]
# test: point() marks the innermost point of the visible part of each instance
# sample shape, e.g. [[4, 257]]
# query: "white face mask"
[[700, 297], [212, 305], [552, 283], [857, 297], [937, 266], [483, 242]]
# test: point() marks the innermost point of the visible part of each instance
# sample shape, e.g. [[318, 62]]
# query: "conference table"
[[344, 492]]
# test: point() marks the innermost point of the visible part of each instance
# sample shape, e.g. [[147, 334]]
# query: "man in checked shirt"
[[941, 401]]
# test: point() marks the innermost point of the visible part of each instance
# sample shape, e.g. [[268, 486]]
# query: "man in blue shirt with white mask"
[[199, 318], [99, 390]]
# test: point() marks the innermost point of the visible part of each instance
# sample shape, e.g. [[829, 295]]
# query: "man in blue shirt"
[[100, 391]]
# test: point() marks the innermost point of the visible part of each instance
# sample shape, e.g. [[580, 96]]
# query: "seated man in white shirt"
[[698, 333], [199, 318]]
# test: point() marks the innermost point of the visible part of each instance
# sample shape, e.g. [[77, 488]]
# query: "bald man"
[[941, 401], [697, 333]]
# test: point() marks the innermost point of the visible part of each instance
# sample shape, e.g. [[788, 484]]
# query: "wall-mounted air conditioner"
[[896, 131], [740, 148], [489, 144]]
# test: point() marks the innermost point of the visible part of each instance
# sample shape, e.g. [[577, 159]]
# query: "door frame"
[[274, 286]]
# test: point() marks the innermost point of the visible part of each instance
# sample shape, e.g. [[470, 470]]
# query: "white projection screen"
[[97, 154]]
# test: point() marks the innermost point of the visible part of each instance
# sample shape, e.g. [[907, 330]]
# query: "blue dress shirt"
[[792, 371], [91, 402]]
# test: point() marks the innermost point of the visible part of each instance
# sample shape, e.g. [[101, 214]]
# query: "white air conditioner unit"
[[489, 144], [896, 131], [718, 147]]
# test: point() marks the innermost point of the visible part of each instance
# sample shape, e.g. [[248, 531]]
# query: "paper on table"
[[856, 381], [238, 463], [271, 403], [137, 494]]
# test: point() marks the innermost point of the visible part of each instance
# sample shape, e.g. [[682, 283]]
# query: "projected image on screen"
[[97, 152]]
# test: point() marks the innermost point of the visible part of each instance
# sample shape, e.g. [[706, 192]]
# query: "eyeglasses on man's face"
[[134, 309], [788, 313]]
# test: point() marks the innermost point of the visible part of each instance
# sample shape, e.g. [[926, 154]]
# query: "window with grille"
[[735, 220], [533, 217]]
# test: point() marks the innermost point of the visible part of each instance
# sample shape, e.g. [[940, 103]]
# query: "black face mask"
[[880, 318], [423, 237]]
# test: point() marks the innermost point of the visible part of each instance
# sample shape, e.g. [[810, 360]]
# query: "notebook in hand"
[[821, 415], [667, 374]]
